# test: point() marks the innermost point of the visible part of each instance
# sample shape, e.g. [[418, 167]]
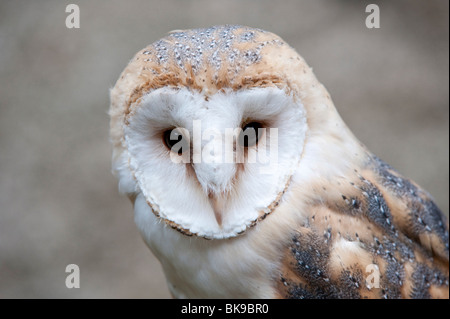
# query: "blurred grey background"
[[59, 203]]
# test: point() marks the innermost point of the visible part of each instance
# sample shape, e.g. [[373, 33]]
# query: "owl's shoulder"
[[375, 225], [414, 213]]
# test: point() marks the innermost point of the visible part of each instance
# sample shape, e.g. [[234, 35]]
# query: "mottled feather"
[[375, 217]]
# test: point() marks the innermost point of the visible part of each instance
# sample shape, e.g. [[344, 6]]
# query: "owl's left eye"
[[250, 134], [175, 141]]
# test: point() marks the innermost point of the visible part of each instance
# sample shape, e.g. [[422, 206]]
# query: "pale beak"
[[218, 205], [216, 180]]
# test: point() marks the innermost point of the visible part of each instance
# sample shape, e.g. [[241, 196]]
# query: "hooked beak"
[[216, 180], [218, 205]]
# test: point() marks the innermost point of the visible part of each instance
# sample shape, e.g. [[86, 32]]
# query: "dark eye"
[[175, 141], [250, 134]]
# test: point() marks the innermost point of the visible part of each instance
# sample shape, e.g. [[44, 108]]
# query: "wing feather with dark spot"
[[375, 234]]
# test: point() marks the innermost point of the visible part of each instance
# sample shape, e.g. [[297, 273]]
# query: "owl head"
[[208, 126]]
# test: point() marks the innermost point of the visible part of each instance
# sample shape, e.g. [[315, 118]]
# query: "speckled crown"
[[209, 60]]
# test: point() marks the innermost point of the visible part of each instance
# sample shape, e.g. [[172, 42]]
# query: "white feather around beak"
[[208, 196]]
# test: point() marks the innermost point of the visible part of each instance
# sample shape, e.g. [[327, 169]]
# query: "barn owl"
[[246, 183]]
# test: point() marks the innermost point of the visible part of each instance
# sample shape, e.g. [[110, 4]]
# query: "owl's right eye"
[[175, 141]]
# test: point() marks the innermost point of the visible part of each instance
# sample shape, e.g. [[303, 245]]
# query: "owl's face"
[[213, 166], [209, 126]]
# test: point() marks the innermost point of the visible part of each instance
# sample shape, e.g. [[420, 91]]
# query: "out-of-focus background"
[[59, 203]]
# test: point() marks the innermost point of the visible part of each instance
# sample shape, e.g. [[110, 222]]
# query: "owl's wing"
[[372, 235]]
